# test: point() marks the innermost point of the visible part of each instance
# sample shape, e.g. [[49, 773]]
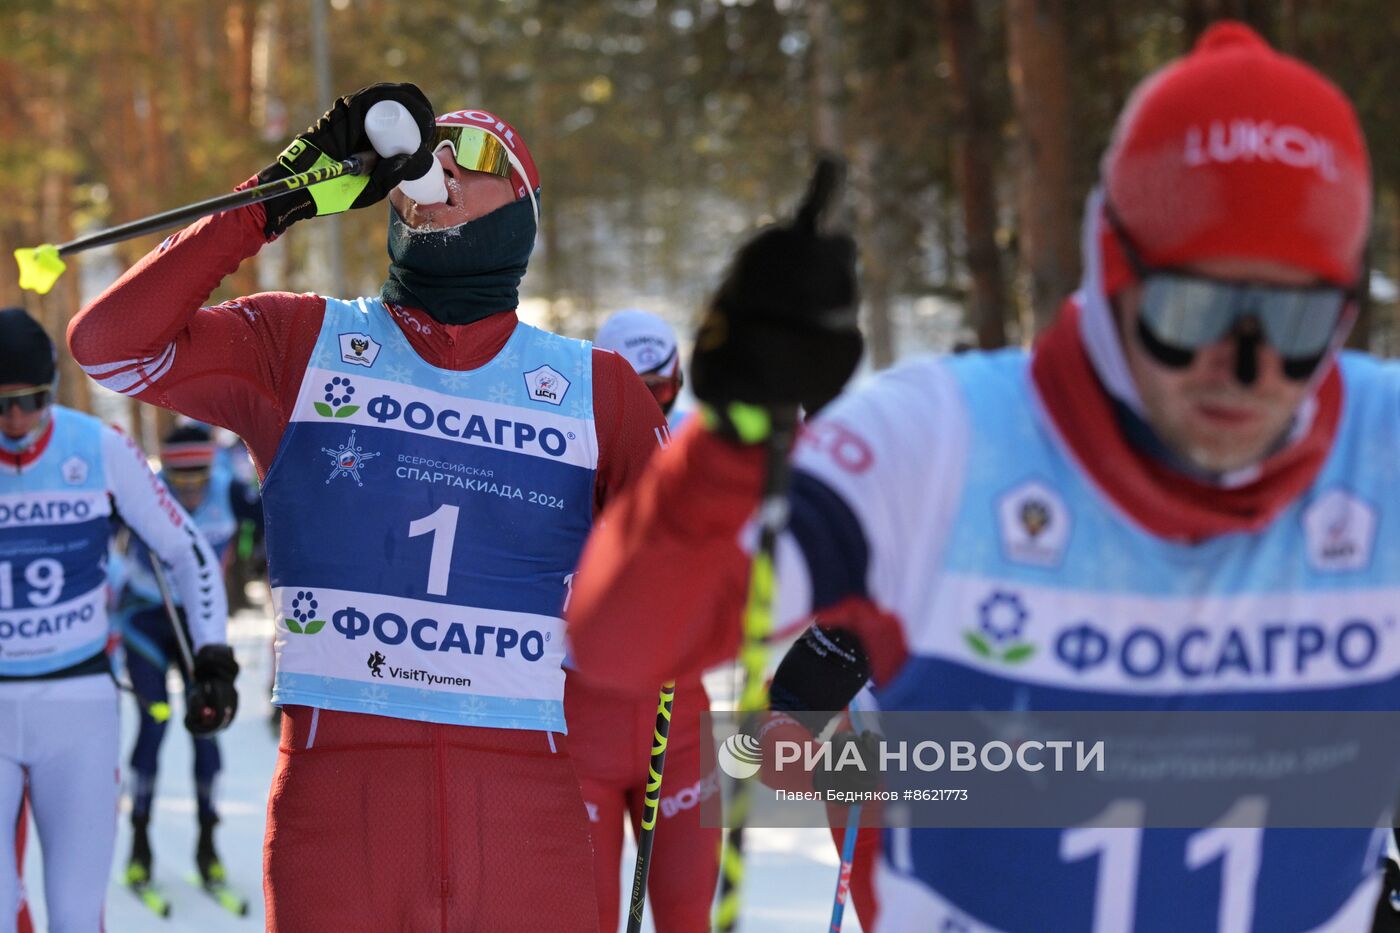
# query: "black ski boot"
[[138, 869], [138, 866], [211, 870]]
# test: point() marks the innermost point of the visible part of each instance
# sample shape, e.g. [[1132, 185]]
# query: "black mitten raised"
[[339, 134], [781, 330]]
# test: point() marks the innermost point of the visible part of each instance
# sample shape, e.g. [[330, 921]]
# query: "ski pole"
[[159, 710], [758, 623], [848, 853], [650, 805], [40, 266], [181, 640], [781, 422]]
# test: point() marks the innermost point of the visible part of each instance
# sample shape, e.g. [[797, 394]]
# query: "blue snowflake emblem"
[[376, 699], [1001, 617], [348, 460], [398, 373], [455, 381]]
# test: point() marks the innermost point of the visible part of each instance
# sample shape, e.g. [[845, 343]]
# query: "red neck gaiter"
[[1166, 502], [20, 460]]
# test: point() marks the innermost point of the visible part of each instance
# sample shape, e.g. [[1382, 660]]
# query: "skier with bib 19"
[[431, 468], [64, 476], [1186, 457]]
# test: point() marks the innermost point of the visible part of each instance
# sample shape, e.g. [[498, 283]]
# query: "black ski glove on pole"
[[819, 676], [212, 700], [781, 330], [339, 134]]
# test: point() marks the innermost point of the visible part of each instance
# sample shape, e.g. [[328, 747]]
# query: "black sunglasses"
[[26, 399]]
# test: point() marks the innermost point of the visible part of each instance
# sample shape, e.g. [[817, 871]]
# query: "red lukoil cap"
[[524, 177], [1238, 151]]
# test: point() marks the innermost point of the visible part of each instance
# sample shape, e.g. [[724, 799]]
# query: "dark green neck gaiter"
[[464, 273]]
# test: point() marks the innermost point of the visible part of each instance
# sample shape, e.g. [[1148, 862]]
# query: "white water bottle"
[[392, 132]]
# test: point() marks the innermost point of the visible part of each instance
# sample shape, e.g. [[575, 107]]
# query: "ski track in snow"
[[788, 887]]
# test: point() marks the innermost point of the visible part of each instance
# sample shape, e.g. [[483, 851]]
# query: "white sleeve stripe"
[[139, 374], [106, 369]]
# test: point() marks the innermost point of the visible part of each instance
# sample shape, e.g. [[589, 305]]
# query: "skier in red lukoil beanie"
[[1182, 499]]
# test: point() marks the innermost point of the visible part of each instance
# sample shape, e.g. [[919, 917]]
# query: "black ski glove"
[[851, 779], [212, 700], [339, 134], [819, 676], [781, 330]]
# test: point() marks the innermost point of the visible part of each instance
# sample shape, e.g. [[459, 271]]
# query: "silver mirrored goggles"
[[1189, 312], [1181, 312]]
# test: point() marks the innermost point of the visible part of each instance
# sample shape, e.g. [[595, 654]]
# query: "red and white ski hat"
[[1238, 151], [642, 339], [523, 175], [188, 446]]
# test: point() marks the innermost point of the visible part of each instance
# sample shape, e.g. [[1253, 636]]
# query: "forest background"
[[664, 131]]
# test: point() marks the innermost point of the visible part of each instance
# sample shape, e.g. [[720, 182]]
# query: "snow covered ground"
[[790, 878]]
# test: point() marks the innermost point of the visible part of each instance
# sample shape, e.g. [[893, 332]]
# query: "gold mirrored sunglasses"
[[475, 149]]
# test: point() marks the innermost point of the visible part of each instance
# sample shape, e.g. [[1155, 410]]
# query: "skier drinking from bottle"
[[431, 467]]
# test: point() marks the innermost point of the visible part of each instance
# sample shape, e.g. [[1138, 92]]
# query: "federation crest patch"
[[75, 470], [1340, 531], [546, 384], [360, 349], [1034, 525]]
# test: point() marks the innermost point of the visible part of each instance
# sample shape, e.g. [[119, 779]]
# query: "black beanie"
[[26, 352]]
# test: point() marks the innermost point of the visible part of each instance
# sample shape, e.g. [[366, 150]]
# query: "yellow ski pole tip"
[[160, 712], [39, 267]]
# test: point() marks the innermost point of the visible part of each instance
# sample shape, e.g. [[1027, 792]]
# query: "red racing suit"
[[611, 738], [372, 821]]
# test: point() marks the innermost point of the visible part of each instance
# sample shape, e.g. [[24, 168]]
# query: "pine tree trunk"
[[1036, 62], [974, 156]]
